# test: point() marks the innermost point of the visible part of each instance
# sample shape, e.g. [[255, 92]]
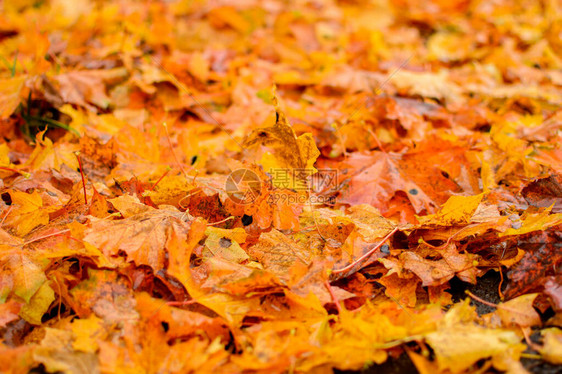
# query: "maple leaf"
[[433, 85], [545, 192], [457, 210], [225, 244], [400, 289], [47, 155], [180, 250], [21, 275], [153, 251], [104, 294], [541, 257], [376, 178], [437, 272], [38, 305], [289, 152], [87, 86], [56, 353], [141, 236], [552, 347], [238, 280], [458, 346], [28, 212], [519, 311], [278, 253], [10, 90]]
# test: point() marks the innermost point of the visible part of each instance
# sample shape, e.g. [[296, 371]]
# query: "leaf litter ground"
[[264, 186]]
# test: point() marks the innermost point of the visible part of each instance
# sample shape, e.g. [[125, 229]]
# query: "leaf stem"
[[23, 173], [221, 221], [335, 300], [480, 300], [82, 175], [160, 179], [46, 236], [366, 255], [497, 306]]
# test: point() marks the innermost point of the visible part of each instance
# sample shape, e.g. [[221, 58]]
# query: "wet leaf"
[[10, 90], [164, 210], [292, 158], [552, 345], [142, 236], [225, 244], [519, 311], [459, 348], [38, 304], [28, 212]]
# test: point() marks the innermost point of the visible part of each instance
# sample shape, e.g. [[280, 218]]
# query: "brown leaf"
[[88, 86], [141, 237], [545, 192], [278, 253], [542, 258]]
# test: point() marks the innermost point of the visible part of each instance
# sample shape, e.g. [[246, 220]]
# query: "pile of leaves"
[[274, 186]]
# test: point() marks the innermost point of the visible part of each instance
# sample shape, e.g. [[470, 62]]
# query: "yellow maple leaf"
[[38, 305], [10, 90], [459, 343], [552, 345], [28, 212], [535, 222], [224, 243], [47, 155], [519, 311], [457, 210], [86, 332], [292, 158]]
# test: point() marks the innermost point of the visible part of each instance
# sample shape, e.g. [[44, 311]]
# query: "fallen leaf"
[[161, 210], [145, 235], [10, 90], [519, 311], [226, 244], [28, 213], [292, 159], [457, 210], [38, 305], [552, 345], [278, 253]]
